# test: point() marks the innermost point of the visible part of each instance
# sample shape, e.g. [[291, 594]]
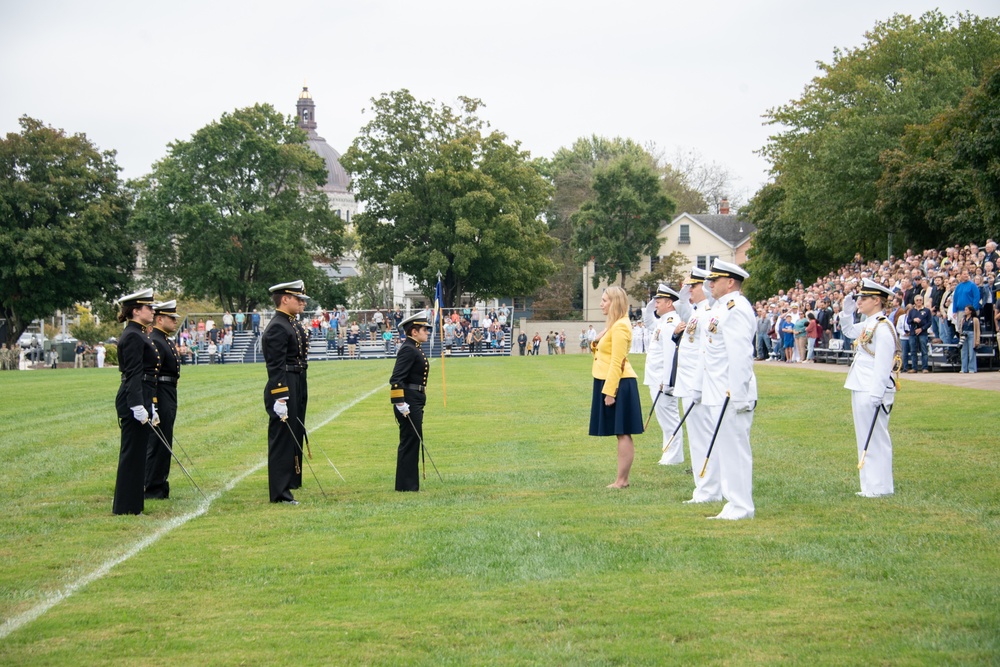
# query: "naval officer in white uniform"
[[730, 387], [661, 320], [693, 310], [871, 382]]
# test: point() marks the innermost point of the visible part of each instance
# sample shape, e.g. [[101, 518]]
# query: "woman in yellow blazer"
[[615, 408]]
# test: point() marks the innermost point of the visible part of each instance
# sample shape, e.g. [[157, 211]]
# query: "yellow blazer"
[[611, 357]]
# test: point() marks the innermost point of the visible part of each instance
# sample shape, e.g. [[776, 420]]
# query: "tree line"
[[895, 145]]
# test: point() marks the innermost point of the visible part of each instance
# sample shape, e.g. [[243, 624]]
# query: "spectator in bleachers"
[[474, 318], [227, 343], [353, 337], [239, 318], [813, 331], [966, 294], [986, 295], [227, 320], [213, 351], [918, 319], [969, 340], [902, 325], [801, 322], [788, 337], [255, 322]]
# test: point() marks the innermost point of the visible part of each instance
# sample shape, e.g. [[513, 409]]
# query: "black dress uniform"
[[158, 456], [139, 364], [408, 385], [285, 348]]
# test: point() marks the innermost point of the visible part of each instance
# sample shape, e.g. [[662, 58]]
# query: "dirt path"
[[988, 380]]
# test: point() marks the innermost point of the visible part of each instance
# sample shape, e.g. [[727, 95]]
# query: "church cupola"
[[306, 110]]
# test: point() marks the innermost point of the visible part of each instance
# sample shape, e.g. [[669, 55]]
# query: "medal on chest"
[[713, 327], [692, 327]]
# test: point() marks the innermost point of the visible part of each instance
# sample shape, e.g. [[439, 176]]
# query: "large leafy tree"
[[826, 156], [443, 195], [63, 218], [238, 208], [943, 183], [571, 172], [621, 222]]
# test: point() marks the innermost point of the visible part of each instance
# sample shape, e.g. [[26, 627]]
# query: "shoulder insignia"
[[732, 302], [881, 318]]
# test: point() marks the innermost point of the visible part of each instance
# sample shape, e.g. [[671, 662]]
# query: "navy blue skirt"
[[622, 418]]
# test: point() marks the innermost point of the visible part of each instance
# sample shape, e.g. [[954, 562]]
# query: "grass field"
[[520, 557]]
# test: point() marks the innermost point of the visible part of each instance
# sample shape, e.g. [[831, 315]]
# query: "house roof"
[[729, 228]]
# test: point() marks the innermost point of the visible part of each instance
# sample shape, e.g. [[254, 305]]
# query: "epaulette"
[[732, 302]]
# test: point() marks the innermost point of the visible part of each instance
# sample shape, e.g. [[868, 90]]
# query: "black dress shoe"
[[289, 502]]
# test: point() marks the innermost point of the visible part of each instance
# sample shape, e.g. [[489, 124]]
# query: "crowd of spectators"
[[943, 297]]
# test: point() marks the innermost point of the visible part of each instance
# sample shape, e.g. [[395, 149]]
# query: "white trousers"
[[668, 416], [876, 475], [699, 427], [732, 448]]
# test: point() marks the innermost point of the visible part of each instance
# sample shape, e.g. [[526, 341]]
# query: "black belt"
[[414, 387], [296, 368], [145, 378], [167, 379]]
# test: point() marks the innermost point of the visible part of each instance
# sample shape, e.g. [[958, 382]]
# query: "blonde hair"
[[618, 307]]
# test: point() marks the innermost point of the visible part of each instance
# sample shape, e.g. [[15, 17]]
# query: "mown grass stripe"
[[16, 622]]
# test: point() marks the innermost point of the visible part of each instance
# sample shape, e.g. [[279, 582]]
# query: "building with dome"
[[337, 183], [403, 289]]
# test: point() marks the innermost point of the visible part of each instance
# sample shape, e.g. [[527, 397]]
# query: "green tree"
[[977, 146], [620, 223], [666, 270], [63, 218], [238, 208], [371, 288], [441, 195], [89, 331], [826, 156], [571, 172], [778, 254]]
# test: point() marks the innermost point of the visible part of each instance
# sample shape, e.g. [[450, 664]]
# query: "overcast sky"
[[691, 76]]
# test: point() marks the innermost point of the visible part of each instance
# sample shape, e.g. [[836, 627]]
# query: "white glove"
[[649, 314], [876, 401], [849, 306], [156, 417], [696, 398], [743, 406], [140, 414], [281, 409], [404, 408]]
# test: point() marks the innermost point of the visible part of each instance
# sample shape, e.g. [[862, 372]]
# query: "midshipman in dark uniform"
[[407, 388], [285, 347], [139, 364], [157, 456]]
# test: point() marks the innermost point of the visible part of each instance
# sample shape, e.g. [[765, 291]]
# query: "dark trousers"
[[157, 455], [408, 454], [918, 348], [284, 442], [131, 476]]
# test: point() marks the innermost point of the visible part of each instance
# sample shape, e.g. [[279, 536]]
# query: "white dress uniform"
[[690, 369], [729, 351], [872, 389], [659, 367]]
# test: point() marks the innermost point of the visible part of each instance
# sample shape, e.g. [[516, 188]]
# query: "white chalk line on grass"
[[51, 600]]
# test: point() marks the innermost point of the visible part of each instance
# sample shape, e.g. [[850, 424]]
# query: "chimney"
[[724, 206]]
